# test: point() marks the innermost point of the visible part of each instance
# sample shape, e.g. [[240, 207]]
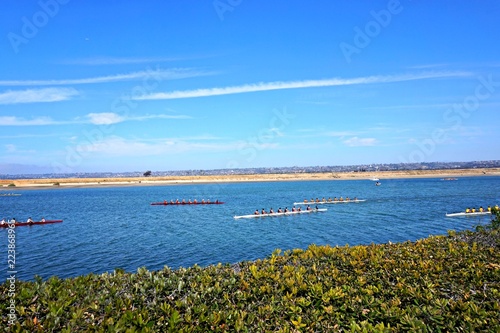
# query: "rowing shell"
[[185, 203], [22, 224], [468, 214], [281, 214], [327, 202]]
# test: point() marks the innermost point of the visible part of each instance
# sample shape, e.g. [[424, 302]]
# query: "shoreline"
[[56, 183]]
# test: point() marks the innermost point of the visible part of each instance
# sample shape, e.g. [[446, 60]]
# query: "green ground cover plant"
[[447, 283]]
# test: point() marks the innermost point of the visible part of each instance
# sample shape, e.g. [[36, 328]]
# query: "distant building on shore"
[[274, 170]]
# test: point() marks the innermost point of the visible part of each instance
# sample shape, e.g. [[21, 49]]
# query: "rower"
[[496, 207], [355, 198], [341, 199], [279, 210], [489, 209], [202, 201], [165, 202], [317, 207], [256, 212], [29, 220], [286, 210], [324, 200], [263, 211], [42, 219], [271, 211], [347, 199], [195, 201], [3, 221], [308, 208], [473, 210], [208, 200], [467, 210], [183, 201], [172, 202], [299, 209], [329, 199], [190, 202], [294, 209], [305, 200], [481, 209], [335, 199], [317, 199]]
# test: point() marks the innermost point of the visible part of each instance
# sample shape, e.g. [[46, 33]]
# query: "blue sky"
[[171, 85]]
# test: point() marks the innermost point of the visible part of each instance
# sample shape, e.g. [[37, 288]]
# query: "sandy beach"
[[6, 184]]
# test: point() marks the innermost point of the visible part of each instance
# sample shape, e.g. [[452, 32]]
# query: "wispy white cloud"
[[119, 146], [470, 131], [108, 60], [357, 142], [206, 137], [313, 102], [43, 95], [160, 116], [105, 118], [152, 74], [427, 66], [321, 133], [14, 150], [352, 137], [10, 148], [97, 61], [403, 108], [279, 85], [340, 134], [31, 136], [453, 135], [38, 121]]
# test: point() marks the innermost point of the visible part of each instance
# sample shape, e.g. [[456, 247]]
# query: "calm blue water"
[[108, 228]]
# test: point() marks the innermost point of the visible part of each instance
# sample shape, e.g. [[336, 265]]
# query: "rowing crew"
[[183, 201], [286, 210], [13, 220], [481, 209], [341, 199]]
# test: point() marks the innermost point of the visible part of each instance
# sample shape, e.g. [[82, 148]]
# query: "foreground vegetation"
[[443, 283]]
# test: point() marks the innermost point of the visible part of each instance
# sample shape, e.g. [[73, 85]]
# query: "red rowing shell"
[[21, 224]]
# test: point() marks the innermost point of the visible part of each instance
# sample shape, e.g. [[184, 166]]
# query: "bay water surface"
[[116, 227]]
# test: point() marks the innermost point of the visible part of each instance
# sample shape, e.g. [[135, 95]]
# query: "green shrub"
[[11, 185], [495, 223], [439, 284]]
